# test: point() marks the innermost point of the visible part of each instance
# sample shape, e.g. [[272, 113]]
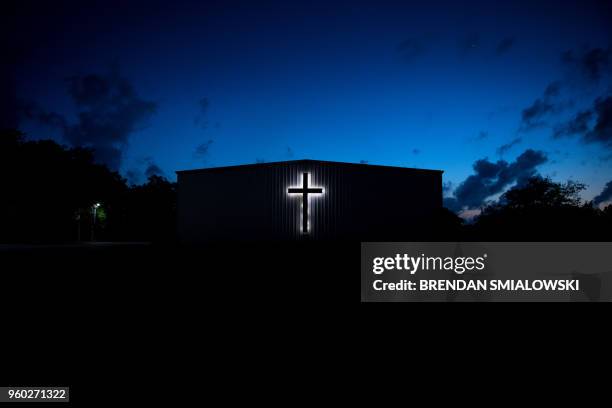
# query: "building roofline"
[[269, 164]]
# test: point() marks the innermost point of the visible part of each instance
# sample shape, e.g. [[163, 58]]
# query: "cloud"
[[503, 149], [606, 157], [200, 119], [532, 117], [605, 195], [202, 150], [591, 63], [552, 90], [133, 176], [504, 45], [600, 132], [109, 111], [482, 135], [579, 124], [152, 168], [492, 178], [136, 176], [411, 49], [203, 103], [32, 111]]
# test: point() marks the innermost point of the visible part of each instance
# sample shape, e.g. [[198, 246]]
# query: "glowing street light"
[[95, 213]]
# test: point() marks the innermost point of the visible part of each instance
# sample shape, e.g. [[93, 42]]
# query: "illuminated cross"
[[304, 191]]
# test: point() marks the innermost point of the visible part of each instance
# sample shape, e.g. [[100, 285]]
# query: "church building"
[[306, 200]]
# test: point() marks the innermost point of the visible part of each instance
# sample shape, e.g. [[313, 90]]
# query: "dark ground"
[[142, 322], [137, 313]]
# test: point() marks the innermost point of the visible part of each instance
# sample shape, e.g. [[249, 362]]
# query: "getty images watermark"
[[458, 265], [486, 271]]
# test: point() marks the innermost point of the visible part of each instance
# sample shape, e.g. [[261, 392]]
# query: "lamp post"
[[93, 225]]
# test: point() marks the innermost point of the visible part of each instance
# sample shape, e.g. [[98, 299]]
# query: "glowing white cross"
[[305, 190]]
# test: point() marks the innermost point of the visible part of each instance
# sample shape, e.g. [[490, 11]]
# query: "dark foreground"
[[88, 314], [149, 323]]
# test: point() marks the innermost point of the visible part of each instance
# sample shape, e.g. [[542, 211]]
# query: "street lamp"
[[93, 226]]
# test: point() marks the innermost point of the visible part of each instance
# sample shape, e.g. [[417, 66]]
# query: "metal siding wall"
[[350, 193]]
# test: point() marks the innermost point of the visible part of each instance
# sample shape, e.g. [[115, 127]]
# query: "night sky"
[[490, 93]]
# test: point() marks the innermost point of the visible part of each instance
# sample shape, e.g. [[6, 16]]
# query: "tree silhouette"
[[542, 210], [48, 191], [151, 211], [543, 193]]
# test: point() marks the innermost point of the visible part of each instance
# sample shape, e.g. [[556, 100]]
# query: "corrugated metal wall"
[[323, 208], [251, 202]]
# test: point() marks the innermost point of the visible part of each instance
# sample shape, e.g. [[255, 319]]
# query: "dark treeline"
[[49, 192], [538, 210]]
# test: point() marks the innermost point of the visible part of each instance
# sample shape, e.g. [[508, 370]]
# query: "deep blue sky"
[[435, 84]]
